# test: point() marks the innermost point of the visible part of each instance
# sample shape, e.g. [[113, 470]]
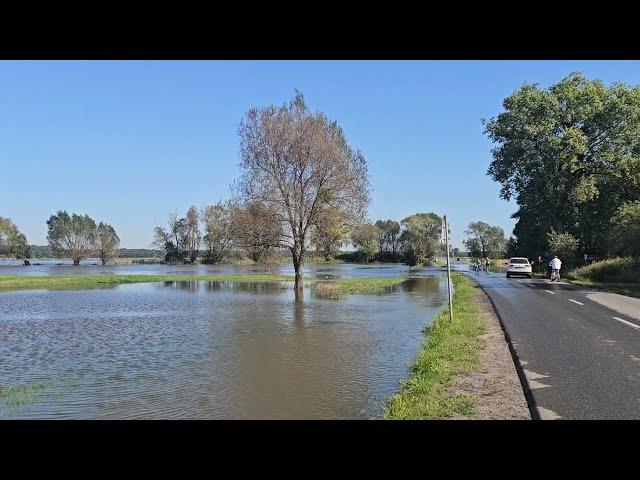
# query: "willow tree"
[[299, 164], [107, 242], [74, 235], [12, 241]]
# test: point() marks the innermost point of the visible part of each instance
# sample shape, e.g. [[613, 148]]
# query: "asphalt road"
[[581, 359]]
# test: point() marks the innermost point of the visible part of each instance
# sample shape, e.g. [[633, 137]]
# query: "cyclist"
[[477, 266], [555, 265], [487, 262]]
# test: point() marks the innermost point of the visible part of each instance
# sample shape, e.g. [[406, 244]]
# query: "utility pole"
[[446, 236]]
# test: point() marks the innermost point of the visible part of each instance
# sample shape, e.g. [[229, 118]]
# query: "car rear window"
[[519, 260]]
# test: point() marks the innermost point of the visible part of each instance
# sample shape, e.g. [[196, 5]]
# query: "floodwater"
[[92, 266], [213, 350]]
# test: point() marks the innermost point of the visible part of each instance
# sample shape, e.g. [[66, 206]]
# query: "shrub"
[[625, 231], [564, 245], [614, 270]]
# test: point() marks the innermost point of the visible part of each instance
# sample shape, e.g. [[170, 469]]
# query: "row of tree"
[[254, 230], [223, 229], [570, 157], [414, 240], [78, 236]]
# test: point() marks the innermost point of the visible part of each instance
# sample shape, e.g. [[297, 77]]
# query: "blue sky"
[[129, 142]]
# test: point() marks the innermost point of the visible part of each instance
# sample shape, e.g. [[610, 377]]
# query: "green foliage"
[[24, 282], [74, 235], [614, 270], [625, 232], [329, 233], [420, 237], [565, 246], [365, 239], [570, 156], [339, 288], [12, 241], [217, 228], [485, 241], [107, 242], [449, 349]]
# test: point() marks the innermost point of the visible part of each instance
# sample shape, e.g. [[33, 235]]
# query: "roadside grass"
[[613, 270], [339, 288], [617, 275], [62, 282], [448, 349]]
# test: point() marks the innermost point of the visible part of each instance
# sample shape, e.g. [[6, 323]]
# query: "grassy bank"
[[617, 275], [449, 349], [61, 282], [339, 288], [331, 288]]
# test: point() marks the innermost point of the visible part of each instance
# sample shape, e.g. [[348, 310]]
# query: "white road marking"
[[627, 323], [549, 291], [531, 285], [575, 301], [546, 414]]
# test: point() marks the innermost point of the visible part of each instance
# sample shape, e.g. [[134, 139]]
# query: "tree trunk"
[[76, 261], [297, 266]]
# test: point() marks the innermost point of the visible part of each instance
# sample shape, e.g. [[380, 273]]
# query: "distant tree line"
[[569, 155]]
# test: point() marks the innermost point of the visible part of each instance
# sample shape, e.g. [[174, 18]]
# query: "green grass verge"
[[339, 288], [449, 349], [62, 282], [331, 289]]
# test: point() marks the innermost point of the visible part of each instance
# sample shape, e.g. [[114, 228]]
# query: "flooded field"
[[212, 350]]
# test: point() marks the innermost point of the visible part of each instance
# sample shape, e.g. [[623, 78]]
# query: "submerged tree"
[[329, 233], [420, 238], [107, 242], [74, 235], [192, 234], [217, 237], [366, 240], [256, 229], [12, 241], [299, 164], [172, 239]]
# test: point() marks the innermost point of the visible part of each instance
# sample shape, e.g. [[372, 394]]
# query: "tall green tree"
[[420, 237], [256, 229], [217, 231], [192, 237], [12, 241], [73, 235], [485, 240], [365, 238], [107, 242], [569, 155], [329, 233]]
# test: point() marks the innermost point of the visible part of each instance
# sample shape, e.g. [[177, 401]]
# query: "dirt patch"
[[494, 386]]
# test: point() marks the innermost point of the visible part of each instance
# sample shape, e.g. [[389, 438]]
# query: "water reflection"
[[213, 349]]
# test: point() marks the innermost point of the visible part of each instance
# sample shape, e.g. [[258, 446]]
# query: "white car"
[[518, 266]]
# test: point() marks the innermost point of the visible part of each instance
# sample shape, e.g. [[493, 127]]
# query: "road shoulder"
[[494, 386]]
